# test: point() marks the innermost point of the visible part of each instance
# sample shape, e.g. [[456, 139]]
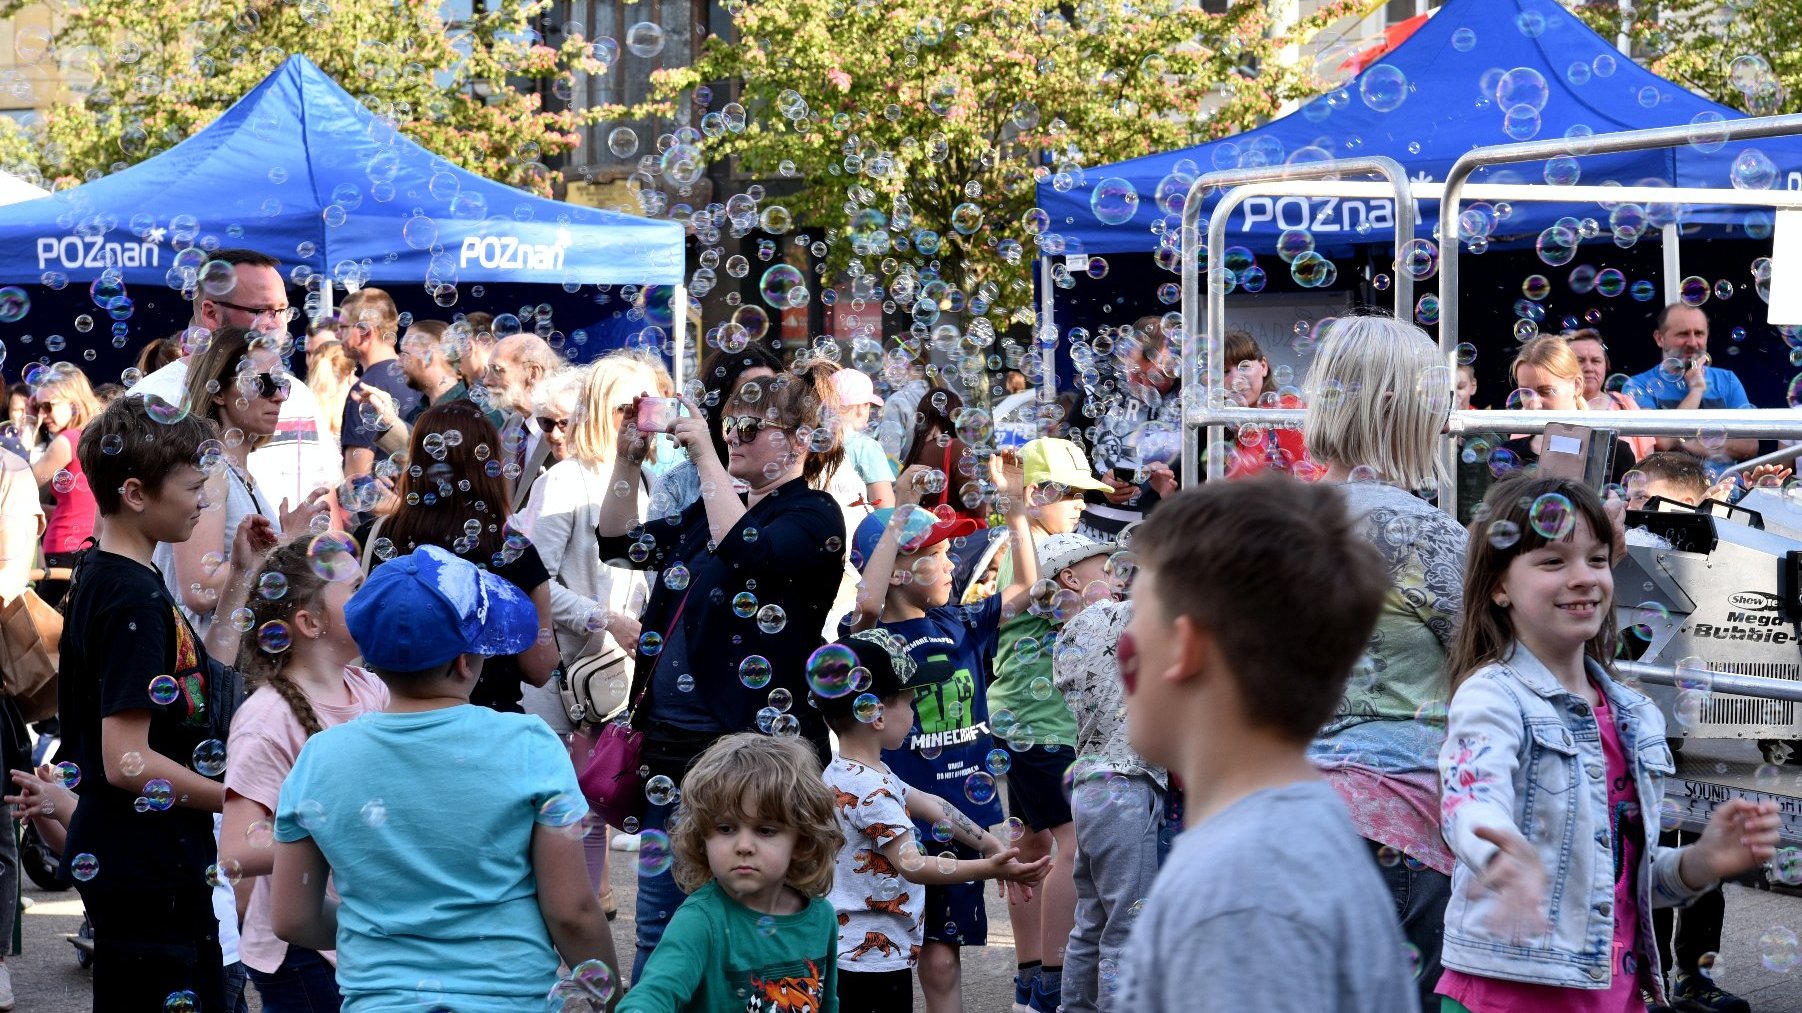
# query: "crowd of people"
[[372, 644]]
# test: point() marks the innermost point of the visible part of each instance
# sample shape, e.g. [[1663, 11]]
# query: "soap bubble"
[[164, 690], [1552, 515], [1383, 88], [646, 39], [655, 854], [754, 671], [84, 867], [829, 671], [66, 774], [273, 637], [660, 790], [979, 788], [209, 758], [272, 585], [333, 556], [1114, 201]]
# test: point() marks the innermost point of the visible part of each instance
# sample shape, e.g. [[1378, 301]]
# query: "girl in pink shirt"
[[296, 650]]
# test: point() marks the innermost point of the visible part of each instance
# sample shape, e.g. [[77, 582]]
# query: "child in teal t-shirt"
[[755, 843], [447, 829]]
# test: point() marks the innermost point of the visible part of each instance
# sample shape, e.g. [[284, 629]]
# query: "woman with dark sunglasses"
[[240, 383], [741, 583]]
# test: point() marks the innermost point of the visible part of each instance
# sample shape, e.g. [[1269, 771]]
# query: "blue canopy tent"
[[299, 169], [1478, 72]]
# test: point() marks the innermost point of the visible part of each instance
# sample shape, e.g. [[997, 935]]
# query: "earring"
[[1502, 600]]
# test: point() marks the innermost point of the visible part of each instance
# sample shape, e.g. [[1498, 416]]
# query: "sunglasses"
[[269, 385], [745, 428], [547, 424]]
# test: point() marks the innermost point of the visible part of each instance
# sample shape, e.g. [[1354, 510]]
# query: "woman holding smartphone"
[[741, 586]]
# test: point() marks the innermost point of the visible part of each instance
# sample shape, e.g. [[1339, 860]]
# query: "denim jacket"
[[1523, 753]]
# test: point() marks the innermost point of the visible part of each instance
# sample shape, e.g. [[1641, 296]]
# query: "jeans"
[[304, 983], [658, 896], [235, 980], [1420, 896], [1116, 861]]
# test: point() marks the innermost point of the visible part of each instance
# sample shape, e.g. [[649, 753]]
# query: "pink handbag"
[[611, 779]]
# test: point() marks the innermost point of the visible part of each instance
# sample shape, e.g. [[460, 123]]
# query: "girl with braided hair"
[[298, 655]]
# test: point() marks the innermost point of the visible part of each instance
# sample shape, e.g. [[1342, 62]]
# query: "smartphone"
[[658, 414], [1579, 453]]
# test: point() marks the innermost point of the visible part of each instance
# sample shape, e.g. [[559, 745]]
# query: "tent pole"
[[679, 303], [1045, 335], [1673, 267]]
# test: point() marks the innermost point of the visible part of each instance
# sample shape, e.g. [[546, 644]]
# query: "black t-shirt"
[[387, 376], [499, 686], [121, 633]]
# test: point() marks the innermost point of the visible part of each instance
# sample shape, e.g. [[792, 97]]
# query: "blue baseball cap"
[[924, 529], [425, 608]]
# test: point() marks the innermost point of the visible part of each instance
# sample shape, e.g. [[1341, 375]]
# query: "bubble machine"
[[1716, 594]]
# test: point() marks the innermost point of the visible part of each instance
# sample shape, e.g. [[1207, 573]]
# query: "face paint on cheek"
[[1127, 655]]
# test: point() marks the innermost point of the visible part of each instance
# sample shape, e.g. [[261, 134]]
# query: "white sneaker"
[[6, 988], [624, 842]]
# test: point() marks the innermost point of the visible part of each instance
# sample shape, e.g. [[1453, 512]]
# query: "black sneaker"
[[1694, 993]]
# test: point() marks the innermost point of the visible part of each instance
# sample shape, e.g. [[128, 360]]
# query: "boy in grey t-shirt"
[[1252, 602]]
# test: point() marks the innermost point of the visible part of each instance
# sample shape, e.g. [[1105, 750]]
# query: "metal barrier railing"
[[1597, 144], [1718, 682], [1245, 183]]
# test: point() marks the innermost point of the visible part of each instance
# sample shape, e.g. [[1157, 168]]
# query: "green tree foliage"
[[911, 134], [1743, 53], [152, 72]]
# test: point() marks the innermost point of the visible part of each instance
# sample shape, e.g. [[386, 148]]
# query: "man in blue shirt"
[[1684, 379]]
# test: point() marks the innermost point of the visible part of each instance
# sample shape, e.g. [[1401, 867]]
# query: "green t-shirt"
[[717, 954], [1022, 686]]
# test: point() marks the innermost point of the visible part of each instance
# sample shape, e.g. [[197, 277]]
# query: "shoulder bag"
[[611, 778]]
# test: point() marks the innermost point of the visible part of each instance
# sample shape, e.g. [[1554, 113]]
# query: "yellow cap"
[[1047, 460]]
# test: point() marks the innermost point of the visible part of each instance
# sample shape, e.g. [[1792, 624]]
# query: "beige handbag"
[[593, 687]]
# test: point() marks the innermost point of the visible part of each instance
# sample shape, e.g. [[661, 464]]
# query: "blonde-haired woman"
[[591, 603], [1378, 399], [62, 403], [330, 374], [1548, 377]]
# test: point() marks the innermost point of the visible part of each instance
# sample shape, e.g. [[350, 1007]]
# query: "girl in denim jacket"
[[1552, 773]]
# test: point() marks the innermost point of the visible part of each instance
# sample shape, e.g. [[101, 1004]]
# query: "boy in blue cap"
[[452, 832], [907, 574]]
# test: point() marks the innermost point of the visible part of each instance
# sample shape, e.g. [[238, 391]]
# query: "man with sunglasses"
[[432, 372], [302, 455]]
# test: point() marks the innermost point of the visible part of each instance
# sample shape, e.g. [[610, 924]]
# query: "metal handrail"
[[1388, 168], [1718, 682], [1530, 151], [1728, 423], [1778, 456]]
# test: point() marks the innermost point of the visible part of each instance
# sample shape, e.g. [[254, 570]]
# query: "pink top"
[[73, 519], [1494, 995], [265, 740]]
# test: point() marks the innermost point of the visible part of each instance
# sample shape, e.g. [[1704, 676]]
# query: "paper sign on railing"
[[1786, 269]]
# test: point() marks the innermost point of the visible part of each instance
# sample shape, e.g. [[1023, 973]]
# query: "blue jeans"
[[305, 983], [658, 896], [1420, 897]]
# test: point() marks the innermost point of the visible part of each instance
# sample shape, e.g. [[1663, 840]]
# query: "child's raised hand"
[[255, 536], [1740, 835], [1516, 875], [909, 484]]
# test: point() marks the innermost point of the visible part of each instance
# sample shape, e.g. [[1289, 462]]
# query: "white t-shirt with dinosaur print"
[[879, 912]]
